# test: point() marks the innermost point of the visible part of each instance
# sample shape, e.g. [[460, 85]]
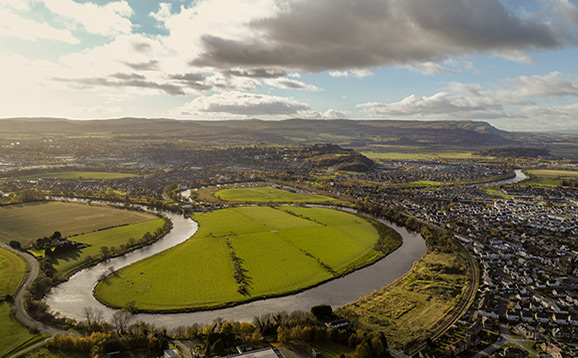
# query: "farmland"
[[268, 194], [111, 238], [27, 222], [14, 335], [12, 270], [269, 251]]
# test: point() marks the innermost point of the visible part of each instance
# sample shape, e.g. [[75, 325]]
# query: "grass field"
[[27, 222], [78, 175], [111, 237], [281, 250], [14, 335], [549, 177], [412, 306], [268, 194], [12, 270]]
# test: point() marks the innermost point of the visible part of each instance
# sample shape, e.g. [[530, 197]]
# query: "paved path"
[[21, 313], [506, 338]]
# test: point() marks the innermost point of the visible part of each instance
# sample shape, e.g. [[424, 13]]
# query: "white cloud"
[[356, 73], [241, 105], [464, 101], [108, 20], [13, 25], [430, 68]]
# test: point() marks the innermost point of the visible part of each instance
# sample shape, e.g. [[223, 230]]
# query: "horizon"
[[500, 61]]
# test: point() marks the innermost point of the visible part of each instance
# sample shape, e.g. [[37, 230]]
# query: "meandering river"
[[71, 298]]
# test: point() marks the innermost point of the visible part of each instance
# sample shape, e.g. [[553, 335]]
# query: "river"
[[520, 175], [71, 298]]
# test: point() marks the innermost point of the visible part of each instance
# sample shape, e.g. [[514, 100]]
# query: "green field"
[[268, 194], [111, 237], [332, 350], [78, 175], [27, 222], [12, 270], [548, 177], [13, 335], [281, 250]]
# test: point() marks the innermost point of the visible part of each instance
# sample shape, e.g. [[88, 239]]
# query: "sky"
[[512, 63]]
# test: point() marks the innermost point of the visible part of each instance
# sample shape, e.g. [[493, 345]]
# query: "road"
[[506, 338], [21, 313]]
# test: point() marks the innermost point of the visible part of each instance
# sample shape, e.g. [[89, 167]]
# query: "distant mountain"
[[354, 133]]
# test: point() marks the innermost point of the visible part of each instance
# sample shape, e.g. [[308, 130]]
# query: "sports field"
[[112, 238], [14, 336], [12, 269], [78, 175], [27, 222], [268, 194], [279, 250]]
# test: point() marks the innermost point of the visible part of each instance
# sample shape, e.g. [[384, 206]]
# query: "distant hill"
[[355, 133]]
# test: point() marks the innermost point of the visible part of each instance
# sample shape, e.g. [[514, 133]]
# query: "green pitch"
[[268, 194], [279, 250]]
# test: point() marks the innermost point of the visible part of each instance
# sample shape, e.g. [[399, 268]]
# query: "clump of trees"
[[240, 273]]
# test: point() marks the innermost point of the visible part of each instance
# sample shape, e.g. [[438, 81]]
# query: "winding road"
[[21, 314]]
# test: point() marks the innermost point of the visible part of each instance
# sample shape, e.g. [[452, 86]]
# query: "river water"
[[71, 298]]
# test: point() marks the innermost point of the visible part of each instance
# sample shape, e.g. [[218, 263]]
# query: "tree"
[[120, 320], [15, 244], [363, 350], [321, 311]]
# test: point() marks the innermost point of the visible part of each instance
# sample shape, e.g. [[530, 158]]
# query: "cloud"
[[241, 104], [465, 101], [256, 73], [13, 25], [288, 83], [356, 73], [107, 20], [430, 68], [337, 35], [120, 80]]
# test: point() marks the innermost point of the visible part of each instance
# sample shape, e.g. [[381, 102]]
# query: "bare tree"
[[92, 315], [120, 320]]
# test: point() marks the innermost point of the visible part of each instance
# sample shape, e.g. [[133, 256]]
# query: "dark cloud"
[[143, 66], [120, 83], [192, 80], [128, 76], [342, 34]]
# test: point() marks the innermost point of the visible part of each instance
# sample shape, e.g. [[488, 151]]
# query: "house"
[[457, 348], [553, 350], [573, 320], [561, 318], [171, 353], [512, 316]]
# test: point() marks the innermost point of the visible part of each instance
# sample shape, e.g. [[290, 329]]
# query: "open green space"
[[77, 175], [27, 222], [12, 270], [412, 306], [268, 194], [277, 250], [416, 153], [14, 335], [111, 238], [549, 177]]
